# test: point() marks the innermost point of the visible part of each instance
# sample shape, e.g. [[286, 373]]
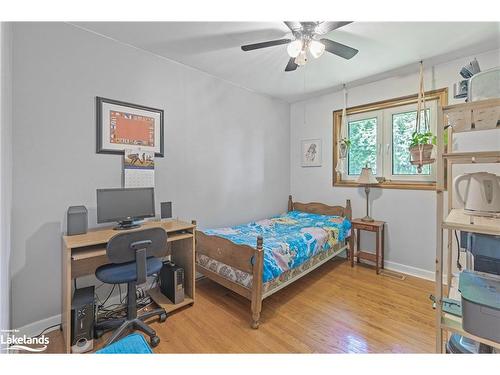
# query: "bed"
[[257, 259]]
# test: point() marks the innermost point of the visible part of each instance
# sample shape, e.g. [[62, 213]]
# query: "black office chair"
[[132, 256]]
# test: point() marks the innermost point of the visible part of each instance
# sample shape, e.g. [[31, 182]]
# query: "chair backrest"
[[123, 246], [137, 245]]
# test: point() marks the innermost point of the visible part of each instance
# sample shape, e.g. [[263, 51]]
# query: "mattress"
[[246, 279], [290, 240]]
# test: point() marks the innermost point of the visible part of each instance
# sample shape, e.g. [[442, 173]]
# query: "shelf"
[[471, 105], [162, 301], [473, 116], [363, 255], [86, 253], [458, 220], [473, 157], [454, 324], [178, 236]]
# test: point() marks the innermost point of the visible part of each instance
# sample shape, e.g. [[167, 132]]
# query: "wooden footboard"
[[251, 260], [242, 257]]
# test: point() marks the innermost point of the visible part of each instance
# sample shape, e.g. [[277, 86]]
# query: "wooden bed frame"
[[251, 260]]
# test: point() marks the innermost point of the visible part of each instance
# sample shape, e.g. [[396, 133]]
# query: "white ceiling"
[[214, 47]]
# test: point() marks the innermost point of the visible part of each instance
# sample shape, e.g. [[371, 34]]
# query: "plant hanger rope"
[[421, 102], [340, 168], [421, 146]]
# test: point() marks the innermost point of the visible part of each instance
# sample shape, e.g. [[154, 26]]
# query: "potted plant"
[[421, 147]]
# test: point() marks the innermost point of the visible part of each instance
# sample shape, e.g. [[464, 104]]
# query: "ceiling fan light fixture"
[[294, 48], [301, 59], [316, 48]]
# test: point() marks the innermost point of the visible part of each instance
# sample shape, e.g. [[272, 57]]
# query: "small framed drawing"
[[123, 126], [311, 153]]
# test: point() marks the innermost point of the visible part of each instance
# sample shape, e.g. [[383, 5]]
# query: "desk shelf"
[[179, 236], [161, 300], [88, 252]]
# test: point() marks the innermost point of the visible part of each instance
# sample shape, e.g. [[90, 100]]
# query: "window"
[[380, 136]]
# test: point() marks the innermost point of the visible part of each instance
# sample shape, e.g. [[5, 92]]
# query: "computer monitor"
[[125, 206]]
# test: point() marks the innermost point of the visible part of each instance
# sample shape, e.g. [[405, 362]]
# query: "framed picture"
[[123, 126], [311, 153]]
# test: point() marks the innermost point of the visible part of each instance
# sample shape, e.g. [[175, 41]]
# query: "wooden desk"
[[83, 253], [371, 226]]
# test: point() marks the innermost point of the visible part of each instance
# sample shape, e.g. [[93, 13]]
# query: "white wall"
[[410, 215], [5, 171], [227, 149]]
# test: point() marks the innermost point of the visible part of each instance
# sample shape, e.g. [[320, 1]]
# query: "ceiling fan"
[[307, 38]]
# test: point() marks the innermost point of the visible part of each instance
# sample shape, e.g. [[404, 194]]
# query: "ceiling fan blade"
[[327, 26], [339, 49], [291, 66], [293, 25], [271, 43]]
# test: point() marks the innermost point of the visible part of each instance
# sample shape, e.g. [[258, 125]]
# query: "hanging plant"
[[421, 147], [344, 147], [422, 143], [344, 143]]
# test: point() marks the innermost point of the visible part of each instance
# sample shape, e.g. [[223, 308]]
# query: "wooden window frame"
[[441, 95]]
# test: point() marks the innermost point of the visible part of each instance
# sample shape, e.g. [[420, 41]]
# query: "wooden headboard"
[[321, 208]]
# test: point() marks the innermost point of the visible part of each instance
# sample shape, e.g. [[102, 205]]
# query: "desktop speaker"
[[172, 282], [166, 210], [82, 320], [77, 221]]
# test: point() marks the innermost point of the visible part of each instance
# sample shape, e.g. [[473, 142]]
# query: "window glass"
[[403, 126], [363, 149]]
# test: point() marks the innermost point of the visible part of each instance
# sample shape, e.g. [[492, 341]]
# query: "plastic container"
[[480, 304]]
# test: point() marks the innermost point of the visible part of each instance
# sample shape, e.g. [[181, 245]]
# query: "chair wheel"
[[98, 333], [155, 340], [163, 317]]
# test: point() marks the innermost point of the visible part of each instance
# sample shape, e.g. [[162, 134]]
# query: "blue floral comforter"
[[289, 239]]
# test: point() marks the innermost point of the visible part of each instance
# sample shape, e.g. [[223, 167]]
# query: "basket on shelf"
[[479, 119]]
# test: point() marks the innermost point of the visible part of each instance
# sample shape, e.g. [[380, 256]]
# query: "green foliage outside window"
[[363, 148]]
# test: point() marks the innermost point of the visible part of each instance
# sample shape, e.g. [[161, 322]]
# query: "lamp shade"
[[366, 177]]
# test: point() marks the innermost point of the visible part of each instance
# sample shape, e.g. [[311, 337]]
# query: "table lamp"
[[367, 179]]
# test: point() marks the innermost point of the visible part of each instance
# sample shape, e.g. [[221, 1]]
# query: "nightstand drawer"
[[367, 227]]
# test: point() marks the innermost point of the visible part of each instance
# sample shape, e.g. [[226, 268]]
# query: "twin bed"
[[257, 259]]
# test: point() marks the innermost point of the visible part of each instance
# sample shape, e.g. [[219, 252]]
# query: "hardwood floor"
[[335, 309]]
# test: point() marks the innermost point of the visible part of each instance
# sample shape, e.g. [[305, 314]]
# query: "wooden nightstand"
[[374, 226]]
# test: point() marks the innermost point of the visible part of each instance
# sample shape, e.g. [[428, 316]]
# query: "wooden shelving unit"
[[465, 117]]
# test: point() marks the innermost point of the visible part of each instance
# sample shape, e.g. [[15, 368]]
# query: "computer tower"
[[82, 320], [172, 282]]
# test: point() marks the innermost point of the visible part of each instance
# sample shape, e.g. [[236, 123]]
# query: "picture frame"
[[121, 125], [311, 152]]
